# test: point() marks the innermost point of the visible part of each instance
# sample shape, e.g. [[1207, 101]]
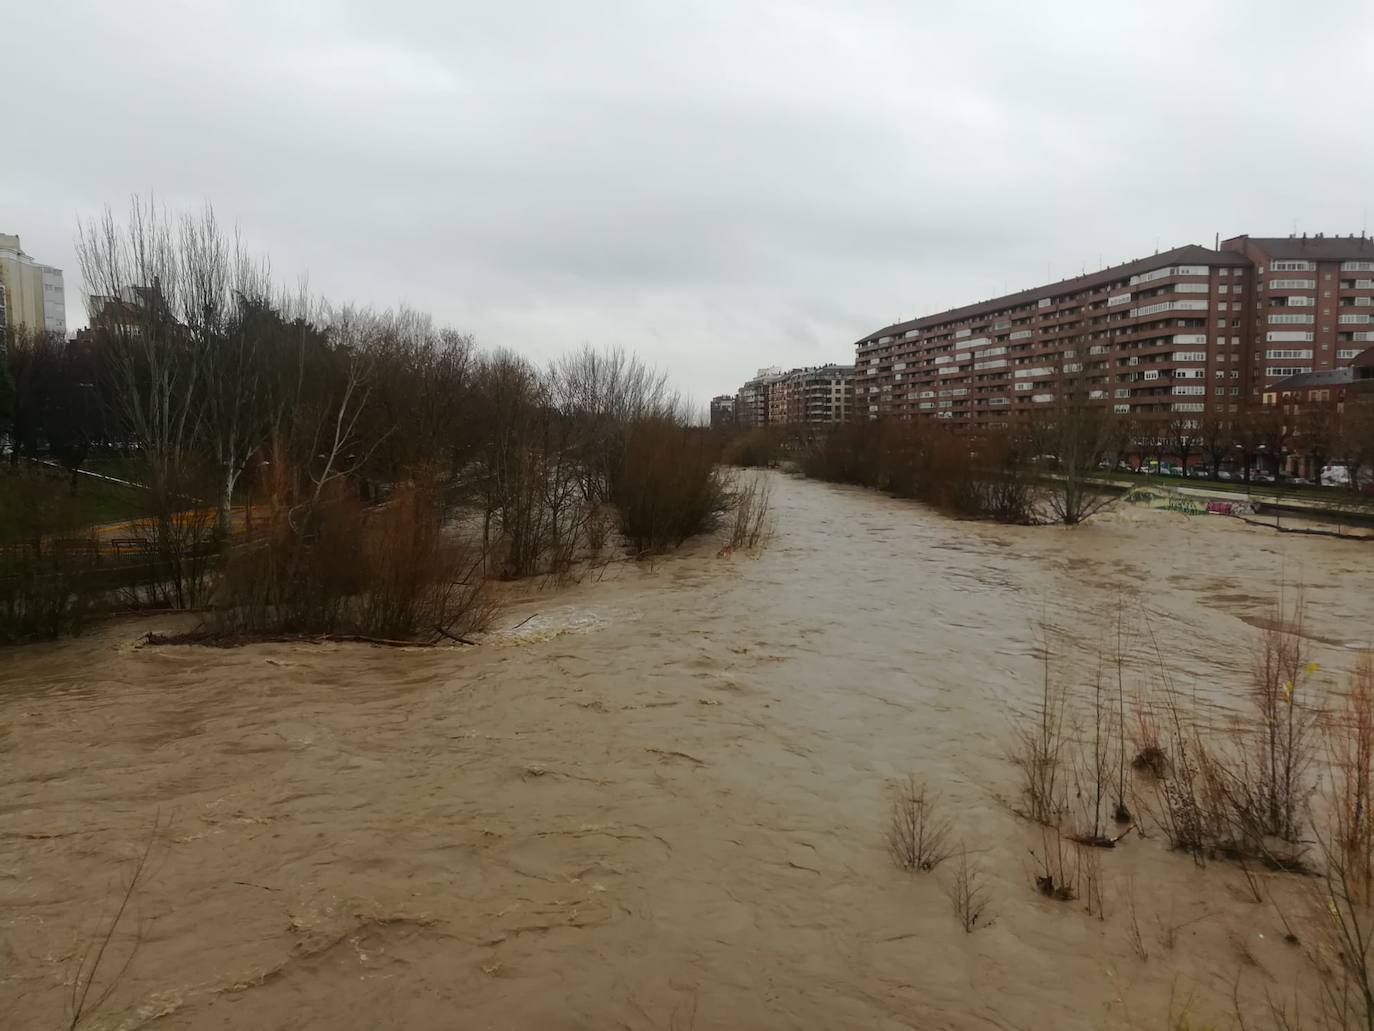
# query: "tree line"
[[1056, 464], [243, 411]]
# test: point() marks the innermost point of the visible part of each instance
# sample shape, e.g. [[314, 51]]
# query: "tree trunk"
[[226, 506]]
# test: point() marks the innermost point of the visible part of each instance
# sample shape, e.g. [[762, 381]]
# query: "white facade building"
[[31, 294]]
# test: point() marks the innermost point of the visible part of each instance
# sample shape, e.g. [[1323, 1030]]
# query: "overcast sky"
[[716, 184]]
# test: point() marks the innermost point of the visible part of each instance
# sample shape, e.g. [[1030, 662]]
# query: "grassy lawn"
[[98, 501], [118, 466], [43, 502]]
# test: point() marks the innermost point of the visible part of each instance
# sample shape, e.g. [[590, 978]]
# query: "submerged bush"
[[973, 476], [758, 448], [47, 563], [667, 488], [847, 454], [337, 567], [751, 506]]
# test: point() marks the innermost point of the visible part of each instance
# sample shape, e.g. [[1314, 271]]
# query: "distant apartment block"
[[812, 396], [722, 410], [1161, 335], [1182, 333], [751, 401], [31, 294]]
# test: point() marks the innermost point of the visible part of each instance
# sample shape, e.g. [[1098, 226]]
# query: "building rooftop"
[[1192, 254], [1322, 378], [1359, 375], [1313, 248]]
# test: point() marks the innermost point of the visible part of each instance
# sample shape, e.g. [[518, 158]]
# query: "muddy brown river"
[[659, 803]]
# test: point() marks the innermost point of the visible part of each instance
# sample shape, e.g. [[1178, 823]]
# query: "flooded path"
[[658, 804]]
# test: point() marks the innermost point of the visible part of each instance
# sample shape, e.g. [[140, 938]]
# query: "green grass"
[[1333, 496], [118, 466], [98, 501], [63, 513]]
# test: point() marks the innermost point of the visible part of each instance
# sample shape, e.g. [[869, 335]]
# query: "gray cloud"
[[718, 185]]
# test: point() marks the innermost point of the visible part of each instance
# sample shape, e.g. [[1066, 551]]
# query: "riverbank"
[[660, 802]]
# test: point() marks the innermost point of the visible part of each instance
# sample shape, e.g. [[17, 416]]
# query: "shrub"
[[1342, 895], [917, 835], [1235, 794], [846, 454], [46, 571], [1350, 746], [333, 567], [967, 894], [667, 488], [978, 477], [750, 508], [1038, 749], [1284, 741], [758, 448]]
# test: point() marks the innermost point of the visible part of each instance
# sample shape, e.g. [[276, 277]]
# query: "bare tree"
[[1077, 430], [422, 411], [1262, 433], [1182, 434], [1316, 434], [1123, 432], [329, 423], [136, 275], [511, 487], [229, 316], [603, 393], [1356, 441], [918, 836], [1215, 439]]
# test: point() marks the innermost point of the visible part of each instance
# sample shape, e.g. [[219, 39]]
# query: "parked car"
[[1334, 476]]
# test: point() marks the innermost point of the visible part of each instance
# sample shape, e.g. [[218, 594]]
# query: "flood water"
[[659, 803]]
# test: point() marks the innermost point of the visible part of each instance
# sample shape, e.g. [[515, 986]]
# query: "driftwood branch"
[[234, 640], [453, 637]]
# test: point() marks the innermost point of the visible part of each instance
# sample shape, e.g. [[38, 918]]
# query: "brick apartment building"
[[1182, 333], [811, 396], [722, 410], [1314, 304], [1324, 410], [817, 395], [751, 400]]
